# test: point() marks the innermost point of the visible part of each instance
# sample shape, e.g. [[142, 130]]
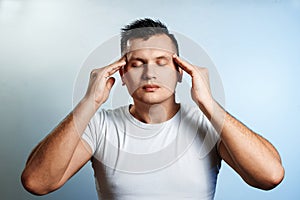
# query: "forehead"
[[158, 42], [149, 54]]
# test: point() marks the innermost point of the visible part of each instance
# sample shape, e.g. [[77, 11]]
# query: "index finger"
[[112, 68], [186, 66]]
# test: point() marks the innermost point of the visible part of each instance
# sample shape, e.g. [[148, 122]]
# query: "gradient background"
[[255, 46]]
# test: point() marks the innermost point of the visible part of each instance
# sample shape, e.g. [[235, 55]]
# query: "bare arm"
[[252, 156], [48, 166], [249, 154], [62, 153]]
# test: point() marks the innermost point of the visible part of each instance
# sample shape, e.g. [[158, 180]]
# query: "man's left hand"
[[200, 90]]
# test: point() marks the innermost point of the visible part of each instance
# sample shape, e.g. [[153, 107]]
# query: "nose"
[[149, 72]]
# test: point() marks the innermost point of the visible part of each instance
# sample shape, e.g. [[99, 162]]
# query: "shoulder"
[[188, 107], [192, 115], [191, 111], [107, 114]]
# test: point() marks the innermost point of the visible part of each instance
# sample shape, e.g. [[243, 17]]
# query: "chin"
[[152, 98]]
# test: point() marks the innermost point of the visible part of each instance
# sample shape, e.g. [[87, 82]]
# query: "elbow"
[[33, 186], [274, 179]]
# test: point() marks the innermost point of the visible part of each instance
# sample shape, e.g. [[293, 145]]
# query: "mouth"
[[150, 87]]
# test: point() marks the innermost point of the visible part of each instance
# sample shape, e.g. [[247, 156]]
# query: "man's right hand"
[[63, 152], [101, 83]]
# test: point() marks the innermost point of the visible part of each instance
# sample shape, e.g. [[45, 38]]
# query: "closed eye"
[[136, 64], [162, 61]]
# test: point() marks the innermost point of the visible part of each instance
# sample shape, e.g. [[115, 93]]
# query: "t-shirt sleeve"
[[214, 138], [210, 136], [93, 132]]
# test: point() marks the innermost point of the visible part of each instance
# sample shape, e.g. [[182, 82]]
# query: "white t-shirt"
[[176, 159]]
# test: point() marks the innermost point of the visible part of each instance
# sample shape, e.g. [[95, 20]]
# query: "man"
[[155, 148]]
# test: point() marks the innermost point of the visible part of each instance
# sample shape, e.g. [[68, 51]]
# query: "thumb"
[[110, 82]]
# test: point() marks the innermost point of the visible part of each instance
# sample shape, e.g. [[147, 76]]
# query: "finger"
[[110, 82], [112, 68], [116, 65], [189, 68]]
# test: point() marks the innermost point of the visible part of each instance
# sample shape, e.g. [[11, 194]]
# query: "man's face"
[[150, 74]]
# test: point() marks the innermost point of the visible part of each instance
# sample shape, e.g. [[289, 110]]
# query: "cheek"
[[132, 79], [167, 77]]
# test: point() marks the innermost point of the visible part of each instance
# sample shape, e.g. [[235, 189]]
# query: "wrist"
[[207, 106], [90, 103], [214, 112], [83, 113], [204, 101]]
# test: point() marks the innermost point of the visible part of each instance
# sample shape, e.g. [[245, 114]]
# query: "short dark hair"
[[145, 28]]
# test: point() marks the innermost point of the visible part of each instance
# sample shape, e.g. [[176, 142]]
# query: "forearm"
[[60, 154], [253, 157], [251, 154], [48, 162]]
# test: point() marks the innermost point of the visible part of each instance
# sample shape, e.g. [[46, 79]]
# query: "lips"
[[150, 87]]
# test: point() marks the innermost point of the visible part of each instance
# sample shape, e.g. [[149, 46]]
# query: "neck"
[[154, 113]]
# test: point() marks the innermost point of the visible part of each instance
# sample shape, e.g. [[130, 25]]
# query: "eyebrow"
[[136, 58], [162, 57], [143, 60]]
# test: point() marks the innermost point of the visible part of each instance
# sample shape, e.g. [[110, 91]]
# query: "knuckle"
[[203, 69], [94, 73]]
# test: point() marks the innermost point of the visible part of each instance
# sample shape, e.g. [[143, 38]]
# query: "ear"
[[179, 75], [121, 72]]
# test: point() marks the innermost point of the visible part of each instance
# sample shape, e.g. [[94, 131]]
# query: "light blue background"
[[255, 46]]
